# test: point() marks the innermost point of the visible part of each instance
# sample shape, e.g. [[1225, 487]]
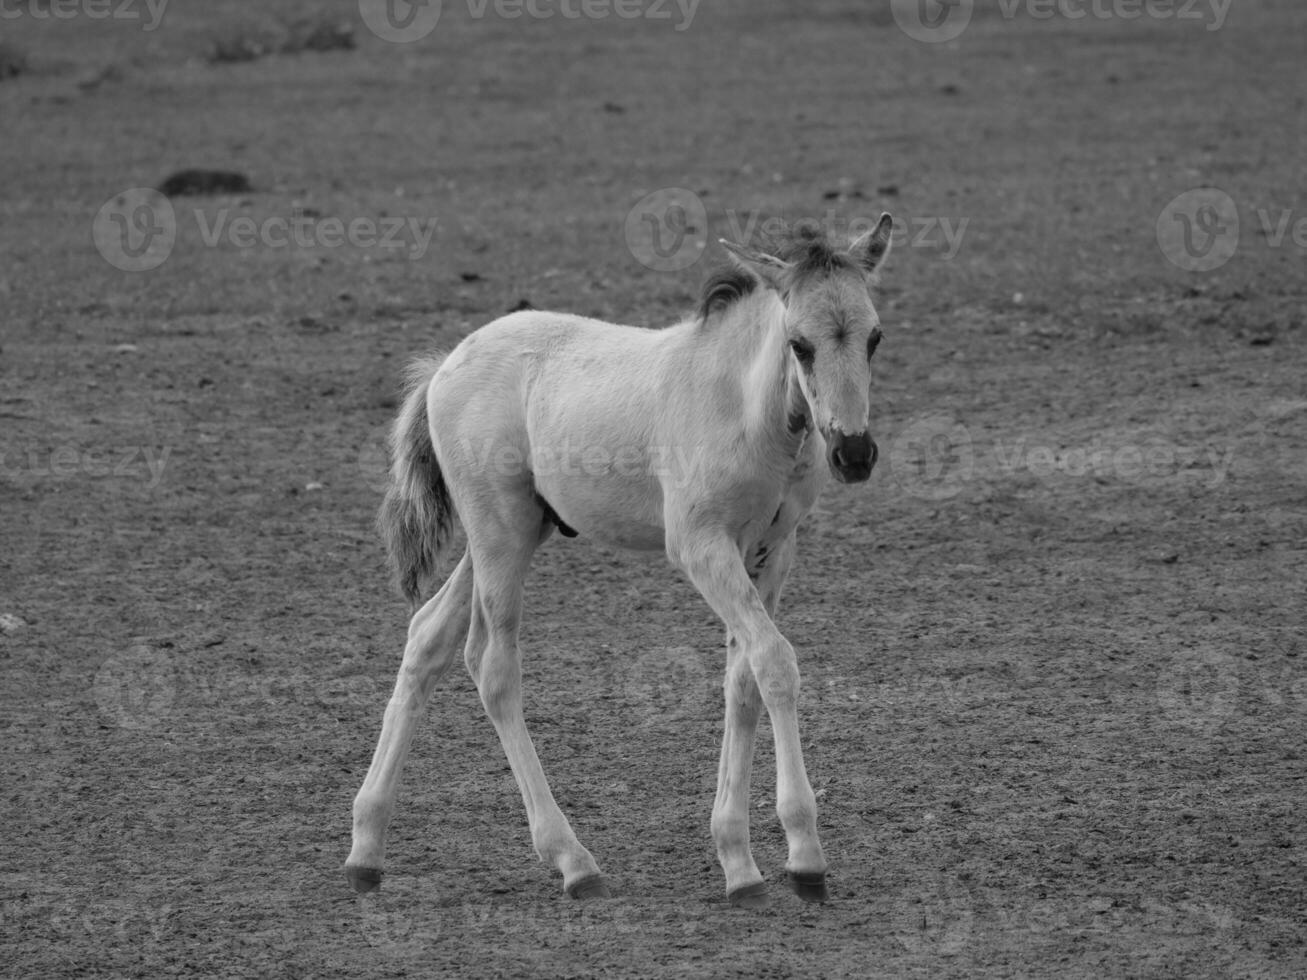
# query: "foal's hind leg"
[[501, 556], [435, 634]]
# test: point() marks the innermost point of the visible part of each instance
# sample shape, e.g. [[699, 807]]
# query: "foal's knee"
[[776, 671], [741, 691]]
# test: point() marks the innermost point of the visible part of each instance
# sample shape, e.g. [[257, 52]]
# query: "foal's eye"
[[872, 341], [803, 351]]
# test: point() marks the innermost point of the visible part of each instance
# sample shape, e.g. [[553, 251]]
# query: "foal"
[[710, 439]]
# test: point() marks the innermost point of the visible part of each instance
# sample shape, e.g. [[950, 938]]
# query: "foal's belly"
[[623, 511]]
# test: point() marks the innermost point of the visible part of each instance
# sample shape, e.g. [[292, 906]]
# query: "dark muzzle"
[[851, 457]]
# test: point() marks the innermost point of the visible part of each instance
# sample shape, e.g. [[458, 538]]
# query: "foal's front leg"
[[715, 567]]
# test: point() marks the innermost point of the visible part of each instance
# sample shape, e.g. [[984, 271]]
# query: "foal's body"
[[706, 439], [617, 476]]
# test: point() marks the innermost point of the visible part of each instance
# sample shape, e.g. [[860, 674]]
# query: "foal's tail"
[[417, 516]]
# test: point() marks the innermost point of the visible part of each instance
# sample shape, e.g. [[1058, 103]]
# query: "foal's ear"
[[768, 268], [870, 250]]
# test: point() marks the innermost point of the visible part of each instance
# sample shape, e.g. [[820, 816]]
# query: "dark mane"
[[725, 287]]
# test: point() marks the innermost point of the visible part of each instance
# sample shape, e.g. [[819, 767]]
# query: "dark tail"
[[417, 516]]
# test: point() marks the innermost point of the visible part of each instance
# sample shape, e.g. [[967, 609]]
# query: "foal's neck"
[[774, 405]]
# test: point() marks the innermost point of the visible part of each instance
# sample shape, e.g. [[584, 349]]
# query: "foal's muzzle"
[[851, 457]]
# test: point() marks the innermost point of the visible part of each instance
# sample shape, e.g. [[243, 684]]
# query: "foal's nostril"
[[852, 456]]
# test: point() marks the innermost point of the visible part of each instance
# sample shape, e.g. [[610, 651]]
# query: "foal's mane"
[[804, 246], [725, 287]]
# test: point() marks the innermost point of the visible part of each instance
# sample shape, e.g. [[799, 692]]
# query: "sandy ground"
[[1054, 688]]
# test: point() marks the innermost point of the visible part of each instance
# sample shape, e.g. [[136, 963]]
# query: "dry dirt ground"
[[1054, 684]]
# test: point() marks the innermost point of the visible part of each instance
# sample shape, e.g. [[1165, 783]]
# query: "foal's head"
[[832, 330]]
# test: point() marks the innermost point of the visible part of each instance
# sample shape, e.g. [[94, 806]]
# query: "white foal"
[[710, 439]]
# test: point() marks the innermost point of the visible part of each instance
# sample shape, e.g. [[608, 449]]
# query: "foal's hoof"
[[592, 887], [810, 886], [750, 897], [363, 879]]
